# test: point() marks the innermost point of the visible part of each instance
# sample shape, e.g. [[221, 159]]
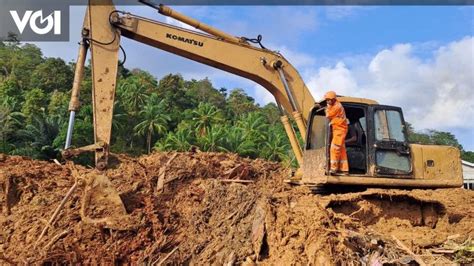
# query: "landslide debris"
[[215, 208]]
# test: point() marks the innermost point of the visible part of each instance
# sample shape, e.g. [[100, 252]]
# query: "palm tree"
[[253, 126], [212, 140], [10, 102], [9, 121], [275, 147], [205, 116], [133, 95], [178, 141], [40, 134], [154, 119], [235, 141], [119, 119]]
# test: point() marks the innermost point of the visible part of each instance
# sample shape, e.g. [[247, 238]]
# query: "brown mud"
[[215, 208]]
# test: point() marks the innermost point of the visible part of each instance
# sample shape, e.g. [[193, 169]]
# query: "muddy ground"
[[214, 208]]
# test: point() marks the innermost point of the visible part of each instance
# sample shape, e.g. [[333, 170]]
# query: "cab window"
[[389, 126], [316, 138], [392, 160]]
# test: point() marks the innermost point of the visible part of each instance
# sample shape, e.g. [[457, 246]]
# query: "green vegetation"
[[167, 114]]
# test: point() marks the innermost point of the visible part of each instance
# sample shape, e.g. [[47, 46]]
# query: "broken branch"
[[405, 248], [54, 239], [235, 181], [56, 212], [161, 177], [166, 257]]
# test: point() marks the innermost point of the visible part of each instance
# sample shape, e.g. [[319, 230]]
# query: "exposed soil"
[[215, 208]]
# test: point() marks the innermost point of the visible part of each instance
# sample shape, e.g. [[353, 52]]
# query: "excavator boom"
[[104, 26]]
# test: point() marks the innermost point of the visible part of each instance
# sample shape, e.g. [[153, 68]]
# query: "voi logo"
[[37, 22]]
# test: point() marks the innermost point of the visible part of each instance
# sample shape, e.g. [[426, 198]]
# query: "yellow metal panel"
[[292, 137], [314, 166], [417, 161], [441, 162], [104, 72], [345, 99], [435, 162], [393, 182]]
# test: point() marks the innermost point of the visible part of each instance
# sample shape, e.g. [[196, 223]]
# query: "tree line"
[[149, 114]]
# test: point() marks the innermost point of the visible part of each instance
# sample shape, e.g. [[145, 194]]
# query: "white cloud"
[[297, 59], [340, 12], [339, 79], [453, 82], [262, 96], [178, 23], [437, 92]]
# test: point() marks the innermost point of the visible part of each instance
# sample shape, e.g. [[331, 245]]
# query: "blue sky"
[[418, 57], [368, 29]]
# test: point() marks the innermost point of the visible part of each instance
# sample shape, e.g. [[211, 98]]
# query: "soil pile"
[[215, 208]]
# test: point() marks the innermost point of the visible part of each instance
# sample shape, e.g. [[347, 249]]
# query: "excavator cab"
[[378, 150]]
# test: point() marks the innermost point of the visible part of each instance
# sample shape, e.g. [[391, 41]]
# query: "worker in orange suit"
[[337, 117]]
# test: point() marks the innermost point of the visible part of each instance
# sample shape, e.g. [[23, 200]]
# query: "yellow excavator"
[[379, 153]]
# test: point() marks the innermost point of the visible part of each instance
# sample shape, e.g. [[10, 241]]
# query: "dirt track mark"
[[369, 209]]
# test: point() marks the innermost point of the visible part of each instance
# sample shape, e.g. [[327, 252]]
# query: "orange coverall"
[[338, 155]]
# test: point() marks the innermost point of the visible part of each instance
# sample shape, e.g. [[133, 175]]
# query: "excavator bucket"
[[102, 205]]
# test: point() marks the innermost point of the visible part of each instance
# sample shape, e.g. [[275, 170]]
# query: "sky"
[[420, 58]]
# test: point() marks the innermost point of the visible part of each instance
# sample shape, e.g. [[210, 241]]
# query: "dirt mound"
[[214, 208]]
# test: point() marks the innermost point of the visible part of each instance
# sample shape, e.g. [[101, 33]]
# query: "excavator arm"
[[103, 28]]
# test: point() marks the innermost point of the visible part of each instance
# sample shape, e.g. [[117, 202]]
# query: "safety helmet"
[[330, 95]]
